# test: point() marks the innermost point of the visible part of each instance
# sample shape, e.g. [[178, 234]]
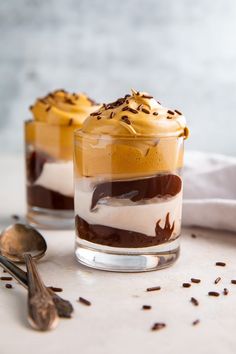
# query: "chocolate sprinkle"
[[220, 264], [154, 288], [178, 112], [186, 285], [138, 108], [84, 301], [213, 293], [155, 113], [95, 114], [157, 326], [195, 322], [194, 280], [144, 110], [168, 117], [226, 291], [112, 115], [233, 281], [99, 117], [8, 286], [70, 122], [125, 119], [170, 112], [217, 280], [193, 235], [147, 96], [48, 108], [15, 217], [146, 307], [6, 278], [125, 108], [55, 289], [132, 110], [194, 301]]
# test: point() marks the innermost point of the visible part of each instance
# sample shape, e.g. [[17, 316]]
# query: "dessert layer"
[[58, 177], [140, 189], [114, 237], [41, 197], [124, 214]]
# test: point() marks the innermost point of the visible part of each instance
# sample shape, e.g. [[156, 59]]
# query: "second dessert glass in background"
[[49, 157], [128, 188]]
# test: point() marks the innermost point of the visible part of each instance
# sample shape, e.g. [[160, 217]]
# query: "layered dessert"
[[128, 188], [49, 150]]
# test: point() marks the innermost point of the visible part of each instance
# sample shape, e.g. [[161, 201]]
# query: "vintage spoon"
[[64, 307], [20, 243]]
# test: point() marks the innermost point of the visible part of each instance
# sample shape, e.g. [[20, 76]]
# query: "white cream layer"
[[58, 177], [133, 217]]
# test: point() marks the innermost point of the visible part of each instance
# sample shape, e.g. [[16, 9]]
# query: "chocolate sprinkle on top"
[[95, 114], [48, 108], [84, 301], [154, 288], [125, 119], [99, 117], [146, 96], [157, 326], [178, 112], [112, 115], [125, 108], [155, 113], [195, 322], [194, 301], [169, 117], [70, 122], [213, 293], [170, 112], [233, 281], [55, 289], [194, 280], [138, 108], [132, 110], [144, 110], [220, 264]]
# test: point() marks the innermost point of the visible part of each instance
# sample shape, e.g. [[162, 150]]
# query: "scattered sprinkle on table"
[[146, 307], [233, 281], [186, 285], [84, 301], [196, 322], [15, 217], [8, 286], [6, 278], [195, 280], [56, 290], [194, 301], [220, 264], [154, 288], [213, 293], [157, 326], [226, 291], [217, 280]]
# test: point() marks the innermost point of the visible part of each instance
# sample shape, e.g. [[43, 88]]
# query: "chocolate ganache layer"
[[113, 237], [136, 190]]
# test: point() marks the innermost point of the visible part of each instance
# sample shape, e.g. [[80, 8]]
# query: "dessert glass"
[[128, 190], [49, 158]]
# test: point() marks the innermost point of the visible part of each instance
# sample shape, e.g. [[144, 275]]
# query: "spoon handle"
[[42, 313], [64, 307]]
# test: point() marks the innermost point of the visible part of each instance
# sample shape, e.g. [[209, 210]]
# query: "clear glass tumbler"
[[128, 201], [49, 174]]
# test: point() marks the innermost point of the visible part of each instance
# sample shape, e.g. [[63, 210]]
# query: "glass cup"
[[49, 174], [128, 201]]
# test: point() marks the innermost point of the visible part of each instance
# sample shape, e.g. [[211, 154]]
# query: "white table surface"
[[115, 322]]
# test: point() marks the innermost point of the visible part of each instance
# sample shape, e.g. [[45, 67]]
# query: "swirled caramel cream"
[[146, 138], [55, 117]]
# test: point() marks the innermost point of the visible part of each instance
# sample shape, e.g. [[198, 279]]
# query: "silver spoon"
[[20, 243], [64, 307]]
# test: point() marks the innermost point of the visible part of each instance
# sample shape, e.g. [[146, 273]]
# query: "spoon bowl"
[[19, 239]]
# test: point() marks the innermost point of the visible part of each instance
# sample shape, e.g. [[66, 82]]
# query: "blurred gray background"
[[181, 51]]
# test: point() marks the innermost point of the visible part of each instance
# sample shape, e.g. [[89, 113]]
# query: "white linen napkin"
[[209, 191]]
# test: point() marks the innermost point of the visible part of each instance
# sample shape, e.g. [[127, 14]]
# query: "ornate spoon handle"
[[42, 313], [64, 307]]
